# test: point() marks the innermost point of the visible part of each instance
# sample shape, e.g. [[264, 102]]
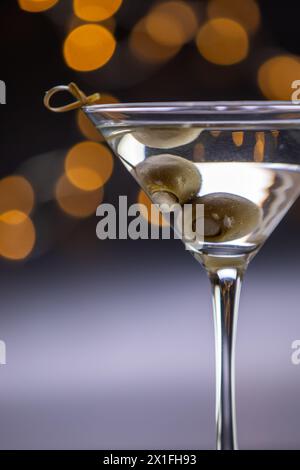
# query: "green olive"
[[168, 179], [227, 217], [166, 138]]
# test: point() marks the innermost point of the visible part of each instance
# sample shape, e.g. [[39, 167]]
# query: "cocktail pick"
[[74, 90]]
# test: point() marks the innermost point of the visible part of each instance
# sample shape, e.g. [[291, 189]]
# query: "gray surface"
[[118, 353]]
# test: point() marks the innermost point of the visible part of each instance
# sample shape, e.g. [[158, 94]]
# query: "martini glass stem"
[[226, 286]]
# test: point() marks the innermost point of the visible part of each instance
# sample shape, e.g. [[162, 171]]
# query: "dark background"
[[110, 343]]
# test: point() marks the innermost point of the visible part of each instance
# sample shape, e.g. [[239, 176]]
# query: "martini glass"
[[246, 160], [241, 162]]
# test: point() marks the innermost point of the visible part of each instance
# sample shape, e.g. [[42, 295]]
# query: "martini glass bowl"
[[241, 162]]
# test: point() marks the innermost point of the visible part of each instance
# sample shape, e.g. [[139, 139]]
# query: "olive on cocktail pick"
[[167, 138], [227, 216], [168, 179]]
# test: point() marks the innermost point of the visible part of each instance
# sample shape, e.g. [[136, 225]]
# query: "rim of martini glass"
[[224, 114]]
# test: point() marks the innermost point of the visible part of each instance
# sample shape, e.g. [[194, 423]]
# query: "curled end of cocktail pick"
[[72, 88]]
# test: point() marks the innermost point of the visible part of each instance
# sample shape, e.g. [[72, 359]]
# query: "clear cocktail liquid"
[[271, 187]]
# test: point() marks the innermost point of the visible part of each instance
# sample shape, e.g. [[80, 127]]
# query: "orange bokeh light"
[[88, 47], [275, 134], [275, 77], [223, 41], [96, 10], [17, 235], [36, 6], [89, 165], [259, 148], [172, 23], [238, 138], [146, 49], [77, 202], [245, 12], [199, 152], [155, 217], [16, 193], [86, 127]]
